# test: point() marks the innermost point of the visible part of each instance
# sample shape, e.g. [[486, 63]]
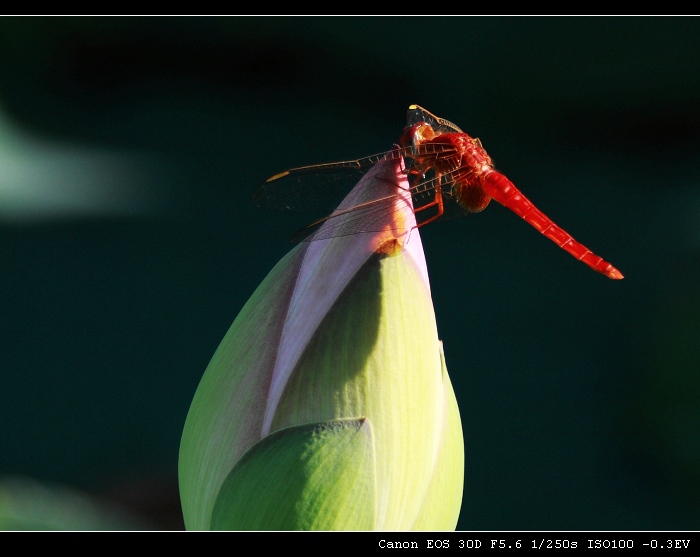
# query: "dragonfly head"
[[416, 134]]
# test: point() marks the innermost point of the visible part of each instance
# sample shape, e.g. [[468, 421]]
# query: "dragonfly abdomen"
[[504, 191]]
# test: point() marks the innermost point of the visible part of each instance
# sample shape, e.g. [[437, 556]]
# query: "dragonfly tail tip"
[[613, 273]]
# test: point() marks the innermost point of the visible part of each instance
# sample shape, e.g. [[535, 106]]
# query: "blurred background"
[[129, 149]]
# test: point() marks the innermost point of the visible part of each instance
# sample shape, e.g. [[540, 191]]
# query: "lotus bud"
[[327, 405]]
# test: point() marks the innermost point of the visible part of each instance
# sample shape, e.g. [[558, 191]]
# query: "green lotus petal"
[[308, 477], [226, 414], [443, 501]]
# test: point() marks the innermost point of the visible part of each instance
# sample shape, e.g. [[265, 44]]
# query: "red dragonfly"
[[448, 170]]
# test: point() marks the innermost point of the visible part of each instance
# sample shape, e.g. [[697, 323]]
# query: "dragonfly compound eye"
[[416, 134]]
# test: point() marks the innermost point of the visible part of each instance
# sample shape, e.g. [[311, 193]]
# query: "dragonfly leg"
[[436, 202]]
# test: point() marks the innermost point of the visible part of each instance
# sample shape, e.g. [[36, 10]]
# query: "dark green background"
[[142, 140]]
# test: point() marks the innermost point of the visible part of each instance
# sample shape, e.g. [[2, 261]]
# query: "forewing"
[[318, 188]]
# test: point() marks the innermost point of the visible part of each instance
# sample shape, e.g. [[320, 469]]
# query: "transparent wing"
[[320, 188], [373, 215]]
